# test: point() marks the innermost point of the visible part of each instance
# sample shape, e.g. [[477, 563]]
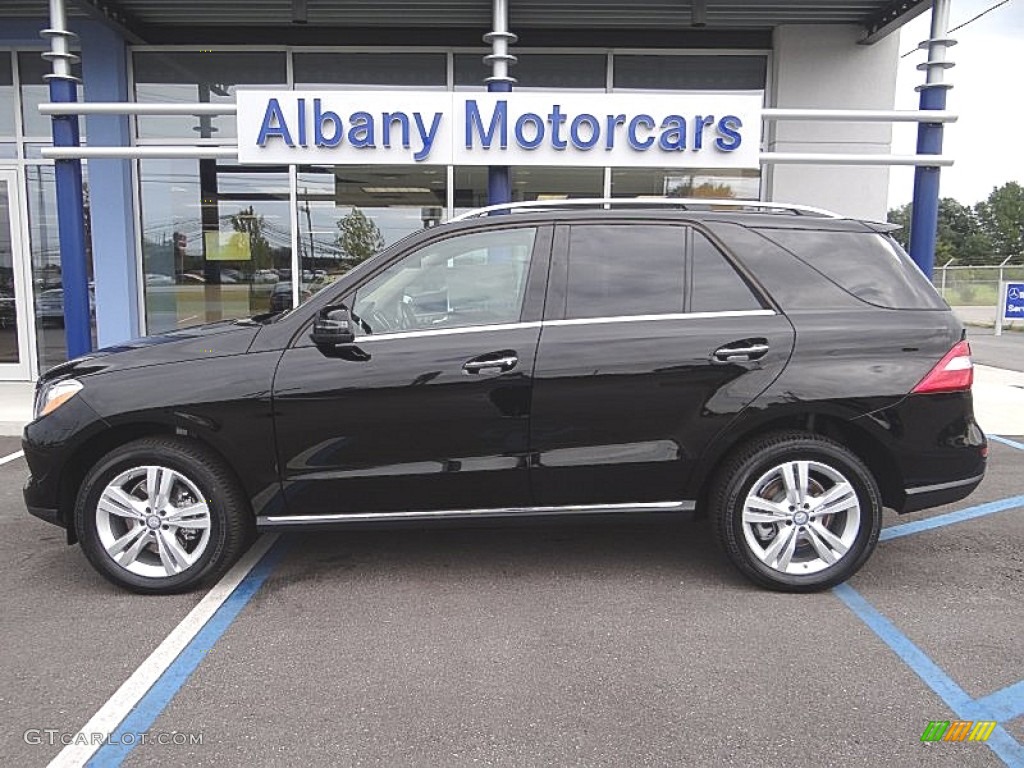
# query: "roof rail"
[[647, 202]]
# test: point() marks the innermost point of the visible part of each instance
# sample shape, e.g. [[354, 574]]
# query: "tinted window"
[[477, 279], [716, 285], [870, 266], [617, 270]]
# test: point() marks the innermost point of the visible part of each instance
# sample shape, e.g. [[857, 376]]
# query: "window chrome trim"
[[474, 514], [665, 316], [446, 331], [556, 323]]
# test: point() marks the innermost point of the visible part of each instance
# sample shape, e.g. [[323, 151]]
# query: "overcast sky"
[[986, 95]]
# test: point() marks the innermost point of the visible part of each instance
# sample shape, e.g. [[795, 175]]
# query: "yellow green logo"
[[958, 730]]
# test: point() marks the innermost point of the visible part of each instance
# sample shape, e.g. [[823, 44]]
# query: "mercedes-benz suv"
[[784, 372]]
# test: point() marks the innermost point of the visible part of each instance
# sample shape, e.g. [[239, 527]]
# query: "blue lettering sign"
[[274, 125], [498, 124]]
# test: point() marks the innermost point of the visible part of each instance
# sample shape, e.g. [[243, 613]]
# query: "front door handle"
[[741, 351], [495, 362]]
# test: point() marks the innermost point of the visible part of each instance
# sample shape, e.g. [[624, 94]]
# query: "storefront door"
[[15, 320]]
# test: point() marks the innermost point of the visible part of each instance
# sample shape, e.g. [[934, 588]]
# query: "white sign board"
[[662, 130]]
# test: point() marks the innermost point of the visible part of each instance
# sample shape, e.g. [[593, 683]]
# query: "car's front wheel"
[[796, 512], [161, 515]]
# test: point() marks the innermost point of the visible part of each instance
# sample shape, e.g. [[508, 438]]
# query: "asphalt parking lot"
[[618, 643]]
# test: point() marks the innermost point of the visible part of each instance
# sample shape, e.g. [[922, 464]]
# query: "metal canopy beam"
[[892, 17], [109, 13]]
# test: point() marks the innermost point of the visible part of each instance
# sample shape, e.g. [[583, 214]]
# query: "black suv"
[[785, 372]]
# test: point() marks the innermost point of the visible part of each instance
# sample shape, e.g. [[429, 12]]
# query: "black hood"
[[221, 339]]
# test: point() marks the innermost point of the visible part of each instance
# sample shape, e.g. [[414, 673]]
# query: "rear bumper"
[[927, 496]]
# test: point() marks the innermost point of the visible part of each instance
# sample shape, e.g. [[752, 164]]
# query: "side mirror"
[[332, 327]]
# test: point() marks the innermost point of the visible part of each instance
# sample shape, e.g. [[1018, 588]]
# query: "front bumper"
[[50, 446]]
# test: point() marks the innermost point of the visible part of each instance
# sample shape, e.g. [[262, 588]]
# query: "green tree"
[[959, 235], [359, 238], [247, 222], [1002, 218]]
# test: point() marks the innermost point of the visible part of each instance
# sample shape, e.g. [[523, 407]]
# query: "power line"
[[961, 26]]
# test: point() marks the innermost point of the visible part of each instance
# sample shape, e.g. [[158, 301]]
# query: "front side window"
[[474, 279], [621, 270]]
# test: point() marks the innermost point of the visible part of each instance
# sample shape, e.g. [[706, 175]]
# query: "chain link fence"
[[974, 291]]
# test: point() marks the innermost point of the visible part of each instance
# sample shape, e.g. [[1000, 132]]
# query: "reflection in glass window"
[[6, 95], [47, 283], [216, 242], [191, 76], [717, 287], [539, 71], [690, 73], [477, 279], [619, 271], [349, 212], [743, 184], [528, 183], [371, 69]]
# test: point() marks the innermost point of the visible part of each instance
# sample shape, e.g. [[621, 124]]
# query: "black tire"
[[231, 525], [757, 460]]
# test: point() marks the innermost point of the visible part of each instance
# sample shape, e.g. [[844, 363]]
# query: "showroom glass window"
[[216, 241], [192, 76]]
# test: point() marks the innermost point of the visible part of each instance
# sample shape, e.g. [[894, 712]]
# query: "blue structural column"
[[114, 265], [68, 181], [499, 178], [71, 223], [924, 218]]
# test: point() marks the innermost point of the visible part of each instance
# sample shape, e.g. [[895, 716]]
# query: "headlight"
[[53, 396]]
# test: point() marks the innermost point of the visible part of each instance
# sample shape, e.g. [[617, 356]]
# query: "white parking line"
[[12, 457], [106, 720]]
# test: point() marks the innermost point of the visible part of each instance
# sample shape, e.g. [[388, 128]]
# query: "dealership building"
[[238, 156]]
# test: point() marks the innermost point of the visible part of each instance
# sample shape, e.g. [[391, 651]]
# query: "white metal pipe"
[[131, 108], [59, 55], [500, 38], [811, 158], [138, 153], [861, 115], [938, 43]]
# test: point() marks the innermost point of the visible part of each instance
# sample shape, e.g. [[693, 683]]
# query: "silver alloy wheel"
[[153, 521], [801, 517]]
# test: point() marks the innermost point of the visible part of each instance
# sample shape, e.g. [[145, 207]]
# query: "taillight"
[[953, 373]]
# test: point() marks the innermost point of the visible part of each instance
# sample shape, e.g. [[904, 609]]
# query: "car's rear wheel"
[[161, 515], [796, 512]]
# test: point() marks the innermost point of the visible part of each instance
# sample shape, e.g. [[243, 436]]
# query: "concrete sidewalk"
[[15, 406]]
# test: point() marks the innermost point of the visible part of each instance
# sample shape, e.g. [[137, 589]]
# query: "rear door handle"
[[495, 362], [741, 351]]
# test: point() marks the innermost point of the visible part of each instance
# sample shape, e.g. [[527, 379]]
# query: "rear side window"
[[717, 287], [623, 270], [868, 265]]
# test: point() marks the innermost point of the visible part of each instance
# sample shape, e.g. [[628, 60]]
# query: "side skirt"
[[340, 520]]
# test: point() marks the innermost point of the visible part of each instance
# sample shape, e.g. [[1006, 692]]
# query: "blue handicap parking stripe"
[[145, 713], [955, 697], [905, 529], [1005, 704]]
